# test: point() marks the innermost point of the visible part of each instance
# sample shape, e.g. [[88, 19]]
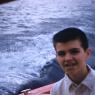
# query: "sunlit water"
[[26, 30]]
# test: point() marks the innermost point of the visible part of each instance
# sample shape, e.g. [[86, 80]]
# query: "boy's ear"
[[89, 52]]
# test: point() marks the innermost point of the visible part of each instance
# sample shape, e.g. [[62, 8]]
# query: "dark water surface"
[[26, 29]]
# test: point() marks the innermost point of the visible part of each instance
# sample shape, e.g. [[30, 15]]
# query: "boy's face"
[[72, 57]]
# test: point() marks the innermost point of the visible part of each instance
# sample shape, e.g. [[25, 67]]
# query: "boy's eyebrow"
[[74, 49]]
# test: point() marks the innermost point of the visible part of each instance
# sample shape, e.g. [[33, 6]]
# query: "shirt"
[[66, 87]]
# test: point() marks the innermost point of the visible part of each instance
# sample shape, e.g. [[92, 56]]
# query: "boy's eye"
[[60, 53], [74, 51]]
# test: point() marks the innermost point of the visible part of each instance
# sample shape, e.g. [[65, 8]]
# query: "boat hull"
[[45, 90]]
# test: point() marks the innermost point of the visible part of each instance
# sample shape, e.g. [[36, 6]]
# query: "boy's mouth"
[[70, 64]]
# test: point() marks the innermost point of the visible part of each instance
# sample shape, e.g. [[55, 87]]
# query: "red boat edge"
[[44, 90]]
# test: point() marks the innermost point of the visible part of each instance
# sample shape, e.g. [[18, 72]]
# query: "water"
[[26, 29]]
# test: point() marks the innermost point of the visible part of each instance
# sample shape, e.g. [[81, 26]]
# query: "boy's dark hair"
[[70, 34]]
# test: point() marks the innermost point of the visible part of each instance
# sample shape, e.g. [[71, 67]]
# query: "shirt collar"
[[88, 81], [68, 81]]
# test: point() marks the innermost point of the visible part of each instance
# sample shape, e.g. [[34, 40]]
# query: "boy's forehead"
[[68, 45], [72, 42]]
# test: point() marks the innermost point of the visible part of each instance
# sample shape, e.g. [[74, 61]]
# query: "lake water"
[[26, 30]]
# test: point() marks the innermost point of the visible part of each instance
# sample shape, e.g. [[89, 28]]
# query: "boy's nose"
[[68, 56]]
